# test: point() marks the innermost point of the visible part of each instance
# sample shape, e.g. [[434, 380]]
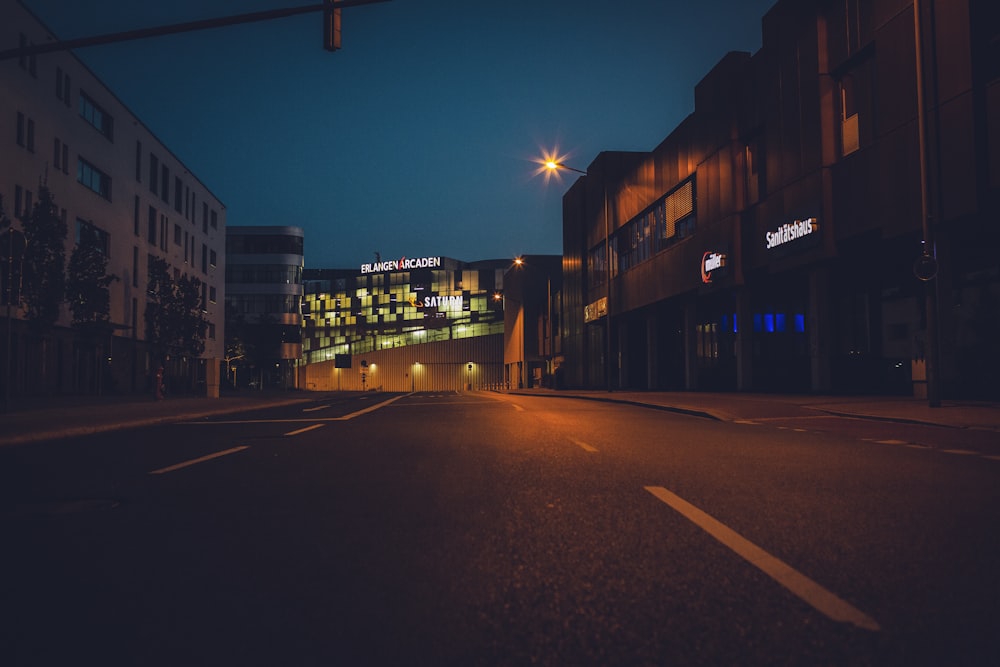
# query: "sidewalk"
[[36, 420], [734, 407]]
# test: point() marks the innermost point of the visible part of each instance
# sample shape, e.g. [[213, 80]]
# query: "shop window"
[[708, 341]]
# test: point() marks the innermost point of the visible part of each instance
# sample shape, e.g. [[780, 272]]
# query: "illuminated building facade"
[[424, 324], [776, 239]]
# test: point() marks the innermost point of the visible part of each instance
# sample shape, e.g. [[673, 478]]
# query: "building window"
[[204, 258], [63, 87], [92, 112], [27, 63], [177, 234], [25, 132], [165, 183], [19, 211], [93, 178], [138, 162], [164, 232], [88, 234], [151, 226], [212, 257], [211, 294], [154, 173], [178, 194], [135, 216], [856, 107], [215, 220], [753, 171], [849, 138], [135, 266]]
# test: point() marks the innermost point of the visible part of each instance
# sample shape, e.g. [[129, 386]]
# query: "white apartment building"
[[116, 183]]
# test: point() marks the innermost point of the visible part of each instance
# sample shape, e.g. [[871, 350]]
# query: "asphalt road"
[[486, 529]]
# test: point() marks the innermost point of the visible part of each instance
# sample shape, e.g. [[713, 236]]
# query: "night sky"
[[419, 137]]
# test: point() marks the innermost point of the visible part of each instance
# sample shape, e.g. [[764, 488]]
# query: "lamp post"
[[555, 165], [926, 266]]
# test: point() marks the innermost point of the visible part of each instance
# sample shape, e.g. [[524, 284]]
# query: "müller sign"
[[790, 232], [402, 264]]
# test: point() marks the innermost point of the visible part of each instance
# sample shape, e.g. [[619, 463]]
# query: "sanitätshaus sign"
[[402, 264], [791, 233]]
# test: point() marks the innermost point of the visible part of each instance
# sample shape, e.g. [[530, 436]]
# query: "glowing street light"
[[553, 165]]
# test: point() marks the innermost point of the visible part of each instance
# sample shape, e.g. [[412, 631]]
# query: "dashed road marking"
[[819, 598], [200, 459], [307, 428], [582, 445]]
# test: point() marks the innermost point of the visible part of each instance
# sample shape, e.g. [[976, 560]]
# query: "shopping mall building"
[[788, 235], [406, 324]]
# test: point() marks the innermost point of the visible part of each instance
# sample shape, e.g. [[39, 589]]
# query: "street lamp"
[[554, 165]]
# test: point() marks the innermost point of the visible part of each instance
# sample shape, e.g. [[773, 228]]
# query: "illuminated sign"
[[790, 232], [711, 261], [439, 302], [402, 264], [595, 310]]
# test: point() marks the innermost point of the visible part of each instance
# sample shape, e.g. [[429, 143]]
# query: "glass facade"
[[349, 312]]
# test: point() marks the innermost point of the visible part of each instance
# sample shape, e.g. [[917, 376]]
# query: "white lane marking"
[[746, 421], [583, 445], [517, 407], [201, 459], [307, 428], [962, 452], [809, 591], [891, 442], [992, 458], [370, 408], [318, 407]]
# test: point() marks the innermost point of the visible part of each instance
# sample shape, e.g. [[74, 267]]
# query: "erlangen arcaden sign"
[[402, 264]]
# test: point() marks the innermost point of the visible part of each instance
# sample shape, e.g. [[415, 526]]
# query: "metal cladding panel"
[[438, 366]]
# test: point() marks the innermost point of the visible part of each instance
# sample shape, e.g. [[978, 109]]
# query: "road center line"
[[202, 459], [583, 445], [805, 588], [307, 428], [318, 407]]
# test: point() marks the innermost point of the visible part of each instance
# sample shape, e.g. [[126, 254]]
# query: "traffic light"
[[331, 26]]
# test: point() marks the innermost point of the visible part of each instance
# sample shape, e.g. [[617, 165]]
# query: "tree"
[[89, 300], [87, 291], [235, 351], [44, 262], [175, 324]]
